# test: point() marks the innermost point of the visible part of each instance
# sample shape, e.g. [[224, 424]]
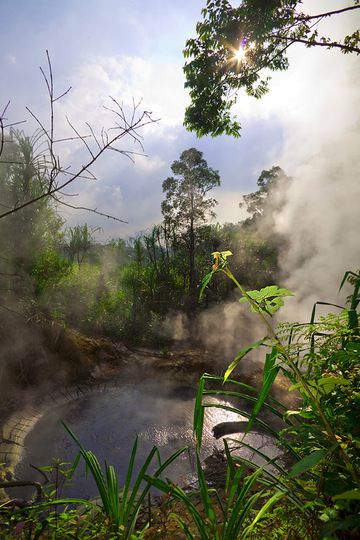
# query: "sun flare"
[[240, 54]]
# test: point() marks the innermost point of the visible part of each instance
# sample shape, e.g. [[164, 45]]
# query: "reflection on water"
[[107, 422]]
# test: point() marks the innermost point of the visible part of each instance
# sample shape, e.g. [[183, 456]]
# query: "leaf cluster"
[[264, 31]]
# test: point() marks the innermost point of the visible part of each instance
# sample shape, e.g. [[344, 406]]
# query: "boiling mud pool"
[[160, 412]]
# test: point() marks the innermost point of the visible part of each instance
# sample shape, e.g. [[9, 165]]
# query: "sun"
[[239, 54]]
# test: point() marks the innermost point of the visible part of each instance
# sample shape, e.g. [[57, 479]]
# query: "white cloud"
[[157, 85], [227, 210], [149, 164], [11, 59]]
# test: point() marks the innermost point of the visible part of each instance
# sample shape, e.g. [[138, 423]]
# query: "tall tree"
[[233, 46], [187, 205], [272, 184], [79, 242], [25, 234]]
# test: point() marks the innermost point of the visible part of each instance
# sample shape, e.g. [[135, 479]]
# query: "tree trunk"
[[192, 283]]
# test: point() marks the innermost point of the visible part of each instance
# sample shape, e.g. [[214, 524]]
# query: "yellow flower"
[[220, 257]]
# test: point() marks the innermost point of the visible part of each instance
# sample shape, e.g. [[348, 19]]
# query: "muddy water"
[[160, 412]]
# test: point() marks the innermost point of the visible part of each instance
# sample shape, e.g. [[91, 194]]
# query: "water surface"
[[107, 422]]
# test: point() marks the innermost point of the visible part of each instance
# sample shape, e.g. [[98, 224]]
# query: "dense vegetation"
[[309, 491], [124, 289]]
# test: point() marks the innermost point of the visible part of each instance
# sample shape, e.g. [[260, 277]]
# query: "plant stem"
[[301, 379]]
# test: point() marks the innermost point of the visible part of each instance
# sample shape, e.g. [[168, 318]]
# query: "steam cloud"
[[321, 220]]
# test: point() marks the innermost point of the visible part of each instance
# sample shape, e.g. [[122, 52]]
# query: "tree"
[[26, 234], [259, 203], [80, 240], [187, 206], [234, 45]]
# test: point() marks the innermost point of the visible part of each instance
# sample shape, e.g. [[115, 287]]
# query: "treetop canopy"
[[234, 44]]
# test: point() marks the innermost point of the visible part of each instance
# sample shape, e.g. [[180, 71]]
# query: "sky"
[[132, 49]]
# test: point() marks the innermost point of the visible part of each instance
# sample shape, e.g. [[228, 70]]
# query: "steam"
[[321, 219], [317, 220], [227, 328]]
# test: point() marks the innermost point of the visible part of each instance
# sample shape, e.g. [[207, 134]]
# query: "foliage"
[[272, 185], [321, 436], [114, 516], [235, 44], [49, 270], [310, 490], [186, 201], [34, 230], [186, 205], [215, 519], [122, 507], [80, 239], [123, 289]]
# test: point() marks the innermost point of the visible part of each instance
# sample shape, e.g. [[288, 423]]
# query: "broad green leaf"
[[269, 299], [327, 384], [308, 462], [294, 387], [353, 346]]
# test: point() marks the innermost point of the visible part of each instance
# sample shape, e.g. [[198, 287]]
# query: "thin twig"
[[93, 210]]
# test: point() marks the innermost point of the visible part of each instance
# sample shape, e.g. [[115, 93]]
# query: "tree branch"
[[329, 45], [326, 14], [123, 127], [93, 210]]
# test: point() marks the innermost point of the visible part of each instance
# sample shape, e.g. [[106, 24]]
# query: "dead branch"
[[57, 177], [93, 210]]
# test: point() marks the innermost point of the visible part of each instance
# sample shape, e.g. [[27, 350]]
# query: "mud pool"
[[107, 421]]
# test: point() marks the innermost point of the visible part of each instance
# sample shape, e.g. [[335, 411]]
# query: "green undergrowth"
[[309, 491]]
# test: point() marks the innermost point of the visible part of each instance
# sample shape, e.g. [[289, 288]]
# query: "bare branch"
[[92, 210], [59, 178], [80, 137], [93, 134], [38, 121], [65, 139], [63, 94]]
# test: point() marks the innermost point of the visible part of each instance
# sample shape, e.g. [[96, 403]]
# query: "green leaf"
[[221, 254], [269, 375], [327, 384], [204, 283], [269, 299], [198, 422], [308, 462], [352, 494], [241, 355]]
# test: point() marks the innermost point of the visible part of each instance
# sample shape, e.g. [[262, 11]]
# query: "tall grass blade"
[[262, 513], [180, 495], [136, 500], [269, 375], [198, 423], [242, 506], [241, 355], [205, 497], [216, 378], [183, 525], [128, 479]]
